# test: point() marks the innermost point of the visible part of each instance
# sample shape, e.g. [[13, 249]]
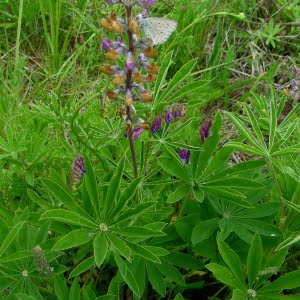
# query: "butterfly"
[[156, 29]]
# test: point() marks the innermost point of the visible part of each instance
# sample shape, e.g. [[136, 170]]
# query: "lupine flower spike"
[[77, 171], [184, 155], [204, 130]]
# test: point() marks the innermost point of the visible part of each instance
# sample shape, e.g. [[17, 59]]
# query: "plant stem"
[[129, 87]]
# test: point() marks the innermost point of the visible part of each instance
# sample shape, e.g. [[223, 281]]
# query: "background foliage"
[[224, 226]]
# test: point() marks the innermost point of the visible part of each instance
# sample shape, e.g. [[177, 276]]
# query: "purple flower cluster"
[[139, 68], [204, 129], [172, 114], [184, 155], [77, 170], [295, 84], [143, 3]]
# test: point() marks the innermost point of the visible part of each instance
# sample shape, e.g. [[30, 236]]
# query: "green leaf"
[[16, 256], [184, 90], [171, 273], [125, 197], [38, 200], [75, 238], [120, 245], [178, 297], [178, 194], [91, 185], [217, 162], [260, 227], [10, 237], [178, 78], [174, 168], [75, 290], [255, 126], [126, 274], [236, 182], [156, 279], [143, 252], [243, 130], [61, 290], [107, 297], [100, 249], [113, 188], [134, 212], [239, 168], [273, 122], [203, 230], [136, 231], [223, 274], [183, 260], [285, 282], [209, 146], [233, 262], [285, 244], [232, 196], [21, 296], [161, 76], [239, 295], [254, 259], [68, 217], [83, 266], [245, 148], [65, 198]]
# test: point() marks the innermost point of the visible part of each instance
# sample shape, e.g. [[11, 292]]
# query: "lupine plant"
[[136, 192]]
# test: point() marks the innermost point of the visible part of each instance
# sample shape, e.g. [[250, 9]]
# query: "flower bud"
[[156, 125], [184, 155], [133, 26], [204, 129], [169, 116], [40, 261], [128, 98], [150, 52], [118, 79], [106, 23], [129, 64], [117, 27]]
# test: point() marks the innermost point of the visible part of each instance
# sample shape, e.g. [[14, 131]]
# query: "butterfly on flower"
[[158, 30]]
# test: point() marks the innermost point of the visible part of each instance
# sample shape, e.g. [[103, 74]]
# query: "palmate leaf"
[[254, 259], [68, 217], [171, 273], [177, 79], [285, 282], [125, 197], [156, 279], [244, 131], [11, 236], [75, 238], [100, 249], [113, 187], [83, 266], [161, 76], [120, 246], [91, 185], [233, 262], [223, 274], [62, 195]]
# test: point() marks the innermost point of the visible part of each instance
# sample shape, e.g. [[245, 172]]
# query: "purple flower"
[[129, 64], [77, 170], [294, 72], [137, 131], [113, 1], [184, 155], [156, 125], [178, 111], [204, 130], [105, 44], [169, 116], [145, 3]]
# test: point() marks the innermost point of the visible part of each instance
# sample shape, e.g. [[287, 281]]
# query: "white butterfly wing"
[[158, 29]]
